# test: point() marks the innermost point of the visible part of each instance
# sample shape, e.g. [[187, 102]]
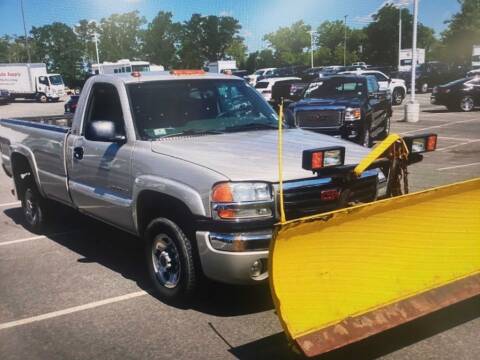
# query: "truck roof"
[[164, 76]]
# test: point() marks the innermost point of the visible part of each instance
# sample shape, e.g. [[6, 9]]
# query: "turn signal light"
[[222, 193], [321, 158]]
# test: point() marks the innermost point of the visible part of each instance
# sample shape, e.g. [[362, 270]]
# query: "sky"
[[257, 17]]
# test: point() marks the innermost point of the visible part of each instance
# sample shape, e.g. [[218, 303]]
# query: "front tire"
[[366, 139], [170, 261], [397, 97], [424, 88], [42, 98]]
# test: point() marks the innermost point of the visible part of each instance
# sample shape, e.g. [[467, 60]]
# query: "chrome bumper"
[[228, 266]]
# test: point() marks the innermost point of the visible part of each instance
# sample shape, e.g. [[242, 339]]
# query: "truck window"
[[164, 108], [372, 84], [43, 80], [104, 104], [335, 87], [56, 80]]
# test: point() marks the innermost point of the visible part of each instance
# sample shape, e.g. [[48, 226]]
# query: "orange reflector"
[[222, 193], [187, 72], [431, 143], [317, 160]]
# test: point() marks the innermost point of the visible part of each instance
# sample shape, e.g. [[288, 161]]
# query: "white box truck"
[[31, 81], [476, 57], [406, 56], [221, 66]]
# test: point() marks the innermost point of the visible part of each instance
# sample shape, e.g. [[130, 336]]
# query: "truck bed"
[[55, 122]]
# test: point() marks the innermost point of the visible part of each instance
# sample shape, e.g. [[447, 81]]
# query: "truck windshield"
[[334, 88], [141, 68], [186, 107], [56, 80]]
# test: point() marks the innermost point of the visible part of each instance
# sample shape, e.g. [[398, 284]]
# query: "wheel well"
[[399, 88], [21, 172], [151, 205]]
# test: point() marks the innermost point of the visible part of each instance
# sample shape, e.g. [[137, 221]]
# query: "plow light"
[[421, 143], [321, 158]]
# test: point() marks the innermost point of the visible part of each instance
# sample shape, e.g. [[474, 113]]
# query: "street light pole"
[[311, 47], [412, 109], [345, 43], [95, 36], [399, 36], [25, 31]]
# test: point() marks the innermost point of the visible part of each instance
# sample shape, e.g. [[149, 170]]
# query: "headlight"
[[353, 114], [241, 201]]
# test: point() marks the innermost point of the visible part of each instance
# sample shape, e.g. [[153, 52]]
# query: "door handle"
[[78, 153]]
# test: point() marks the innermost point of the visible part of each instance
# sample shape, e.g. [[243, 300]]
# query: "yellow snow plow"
[[345, 275]]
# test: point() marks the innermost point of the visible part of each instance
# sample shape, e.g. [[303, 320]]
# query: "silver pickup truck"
[[186, 162]]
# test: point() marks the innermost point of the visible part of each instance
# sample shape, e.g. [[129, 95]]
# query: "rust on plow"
[[356, 328]]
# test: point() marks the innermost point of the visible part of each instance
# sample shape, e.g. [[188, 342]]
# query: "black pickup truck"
[[348, 106]]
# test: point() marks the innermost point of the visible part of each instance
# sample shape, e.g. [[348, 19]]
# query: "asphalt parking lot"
[[82, 292]]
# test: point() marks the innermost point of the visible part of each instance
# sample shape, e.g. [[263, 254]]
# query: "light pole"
[[345, 43], [412, 109], [311, 47], [399, 35], [95, 38], [25, 31]]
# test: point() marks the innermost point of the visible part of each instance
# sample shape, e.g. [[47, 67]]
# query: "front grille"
[[300, 201], [317, 119]]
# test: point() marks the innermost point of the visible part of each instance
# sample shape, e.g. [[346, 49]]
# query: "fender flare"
[[28, 154]]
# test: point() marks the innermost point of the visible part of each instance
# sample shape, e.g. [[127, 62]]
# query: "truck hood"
[[252, 155], [330, 103]]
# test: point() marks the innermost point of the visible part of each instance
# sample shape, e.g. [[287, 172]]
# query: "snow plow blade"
[[343, 276]]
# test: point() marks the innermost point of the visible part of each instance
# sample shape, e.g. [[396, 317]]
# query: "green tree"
[[161, 40], [382, 35], [237, 51], [208, 38], [462, 33], [85, 31], [291, 43], [57, 46], [264, 58], [120, 36]]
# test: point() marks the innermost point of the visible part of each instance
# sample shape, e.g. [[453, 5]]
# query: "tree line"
[[189, 44]]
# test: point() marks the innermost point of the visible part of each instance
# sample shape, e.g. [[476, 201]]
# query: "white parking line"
[[439, 126], [39, 237], [457, 145], [71, 310], [458, 166], [10, 204]]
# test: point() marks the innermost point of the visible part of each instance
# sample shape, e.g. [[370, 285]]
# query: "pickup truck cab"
[[188, 163], [347, 106]]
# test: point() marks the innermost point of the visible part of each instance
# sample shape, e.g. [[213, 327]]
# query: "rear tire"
[[170, 261], [467, 103], [424, 88], [35, 208]]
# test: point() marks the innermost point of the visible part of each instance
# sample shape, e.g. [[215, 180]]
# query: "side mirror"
[[105, 131]]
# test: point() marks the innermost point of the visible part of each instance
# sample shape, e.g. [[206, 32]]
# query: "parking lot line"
[[10, 204], [458, 166], [71, 310], [457, 145], [39, 237], [439, 126]]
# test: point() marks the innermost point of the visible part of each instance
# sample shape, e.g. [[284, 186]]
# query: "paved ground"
[[81, 292]]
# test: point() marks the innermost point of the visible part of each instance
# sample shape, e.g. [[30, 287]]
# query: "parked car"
[[474, 72], [462, 94], [187, 164], [287, 71], [5, 96], [264, 87], [71, 105], [350, 106], [259, 74], [397, 87]]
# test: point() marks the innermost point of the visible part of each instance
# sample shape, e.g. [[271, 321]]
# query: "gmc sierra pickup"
[[187, 162]]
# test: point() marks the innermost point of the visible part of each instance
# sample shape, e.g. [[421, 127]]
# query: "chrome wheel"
[[166, 261], [397, 97], [30, 208], [466, 104]]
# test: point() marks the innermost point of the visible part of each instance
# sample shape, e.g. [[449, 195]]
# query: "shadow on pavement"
[[276, 347], [123, 253]]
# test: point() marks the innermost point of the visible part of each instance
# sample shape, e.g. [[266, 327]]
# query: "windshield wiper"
[[250, 126], [192, 132]]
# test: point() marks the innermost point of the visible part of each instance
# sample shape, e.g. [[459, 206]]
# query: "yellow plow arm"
[[342, 276]]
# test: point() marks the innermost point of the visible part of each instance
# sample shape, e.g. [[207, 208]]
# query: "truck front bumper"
[[241, 267]]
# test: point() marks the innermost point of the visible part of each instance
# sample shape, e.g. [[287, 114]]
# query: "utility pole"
[[345, 43], [412, 109], [95, 37], [25, 31], [311, 47], [399, 35]]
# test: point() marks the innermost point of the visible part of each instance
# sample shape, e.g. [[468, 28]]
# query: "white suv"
[[397, 87]]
